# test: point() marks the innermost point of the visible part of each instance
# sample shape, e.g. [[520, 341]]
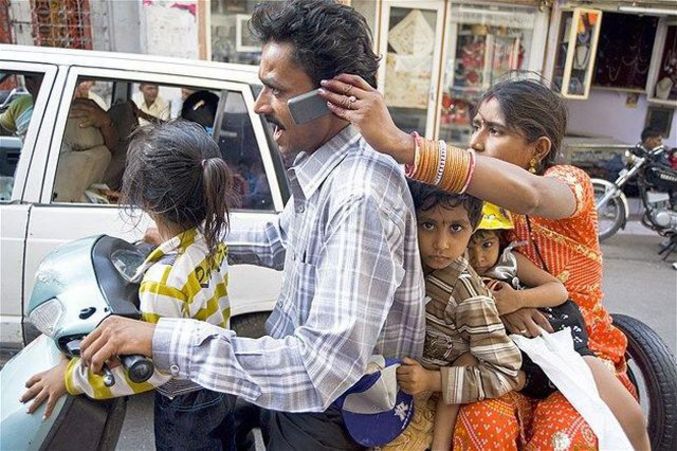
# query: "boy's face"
[[443, 234], [483, 250]]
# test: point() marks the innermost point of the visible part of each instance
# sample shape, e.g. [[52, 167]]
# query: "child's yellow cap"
[[495, 218]]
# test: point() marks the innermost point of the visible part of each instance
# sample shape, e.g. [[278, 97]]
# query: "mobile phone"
[[307, 107]]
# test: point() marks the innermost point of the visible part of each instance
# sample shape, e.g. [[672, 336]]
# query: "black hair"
[[200, 107], [427, 197], [531, 108], [175, 172], [328, 38], [650, 132]]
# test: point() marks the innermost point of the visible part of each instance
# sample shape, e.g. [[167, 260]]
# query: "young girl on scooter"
[[516, 283], [175, 174]]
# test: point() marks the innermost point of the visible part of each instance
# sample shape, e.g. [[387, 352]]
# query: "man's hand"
[[415, 379], [526, 321], [89, 113], [46, 386], [116, 336]]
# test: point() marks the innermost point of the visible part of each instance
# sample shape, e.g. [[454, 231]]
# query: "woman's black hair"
[[175, 172], [328, 38], [427, 197], [531, 108]]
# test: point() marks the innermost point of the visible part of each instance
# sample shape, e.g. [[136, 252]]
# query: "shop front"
[[616, 64]]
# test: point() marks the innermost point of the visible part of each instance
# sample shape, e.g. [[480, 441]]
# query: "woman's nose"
[[477, 141]]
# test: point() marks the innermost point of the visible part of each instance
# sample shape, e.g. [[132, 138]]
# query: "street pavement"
[[637, 282]]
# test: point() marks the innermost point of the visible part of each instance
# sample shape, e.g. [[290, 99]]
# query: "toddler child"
[[175, 174]]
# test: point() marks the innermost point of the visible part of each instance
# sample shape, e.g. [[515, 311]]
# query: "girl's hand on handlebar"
[[352, 99], [47, 386]]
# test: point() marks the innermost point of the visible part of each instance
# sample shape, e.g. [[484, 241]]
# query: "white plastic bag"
[[555, 354]]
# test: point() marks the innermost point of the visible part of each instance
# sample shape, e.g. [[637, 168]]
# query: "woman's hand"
[[46, 386], [354, 100], [508, 299], [415, 379], [526, 321]]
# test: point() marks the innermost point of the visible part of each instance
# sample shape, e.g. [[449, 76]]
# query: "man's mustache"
[[272, 120]]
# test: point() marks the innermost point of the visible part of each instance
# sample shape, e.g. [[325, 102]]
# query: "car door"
[[53, 222], [17, 158]]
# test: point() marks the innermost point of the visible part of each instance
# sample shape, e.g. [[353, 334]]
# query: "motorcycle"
[[76, 287], [657, 185]]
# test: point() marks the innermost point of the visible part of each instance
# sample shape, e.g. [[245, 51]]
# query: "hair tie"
[[203, 162]]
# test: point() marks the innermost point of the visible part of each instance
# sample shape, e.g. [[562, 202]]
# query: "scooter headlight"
[[46, 316]]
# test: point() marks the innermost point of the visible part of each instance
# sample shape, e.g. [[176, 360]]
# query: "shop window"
[[662, 87], [17, 96], [577, 48], [94, 147], [624, 51], [483, 45]]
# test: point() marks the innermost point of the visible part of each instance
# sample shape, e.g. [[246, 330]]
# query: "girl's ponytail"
[[218, 194]]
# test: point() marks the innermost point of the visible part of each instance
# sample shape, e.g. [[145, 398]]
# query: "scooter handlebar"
[[139, 368]]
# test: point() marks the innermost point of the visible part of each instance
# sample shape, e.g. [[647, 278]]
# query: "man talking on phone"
[[346, 240]]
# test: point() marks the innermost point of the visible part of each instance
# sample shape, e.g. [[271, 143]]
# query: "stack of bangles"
[[447, 167]]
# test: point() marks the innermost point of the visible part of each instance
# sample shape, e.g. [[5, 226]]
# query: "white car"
[[57, 178]]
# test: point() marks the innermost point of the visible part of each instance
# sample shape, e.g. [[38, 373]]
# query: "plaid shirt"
[[352, 287]]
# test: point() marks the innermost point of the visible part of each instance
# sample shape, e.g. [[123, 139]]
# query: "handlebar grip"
[[139, 368]]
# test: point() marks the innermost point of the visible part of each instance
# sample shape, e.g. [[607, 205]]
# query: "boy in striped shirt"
[[467, 356]]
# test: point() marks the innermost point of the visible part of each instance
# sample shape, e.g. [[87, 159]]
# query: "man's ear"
[[542, 148]]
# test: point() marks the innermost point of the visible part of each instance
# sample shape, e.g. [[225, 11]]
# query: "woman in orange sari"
[[518, 129]]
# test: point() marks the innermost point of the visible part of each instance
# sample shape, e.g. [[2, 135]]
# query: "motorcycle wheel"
[[651, 367], [611, 217]]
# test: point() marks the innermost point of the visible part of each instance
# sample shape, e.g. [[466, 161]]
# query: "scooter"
[[657, 183], [76, 287]]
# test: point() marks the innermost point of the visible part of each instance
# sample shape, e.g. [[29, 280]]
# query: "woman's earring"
[[532, 165]]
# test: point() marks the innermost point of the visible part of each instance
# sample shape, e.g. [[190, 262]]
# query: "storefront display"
[[483, 44], [577, 48], [666, 83]]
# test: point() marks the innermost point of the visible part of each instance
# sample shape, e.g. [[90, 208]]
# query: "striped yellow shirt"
[[179, 281]]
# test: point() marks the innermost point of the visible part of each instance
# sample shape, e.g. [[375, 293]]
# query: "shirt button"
[[300, 209], [174, 369]]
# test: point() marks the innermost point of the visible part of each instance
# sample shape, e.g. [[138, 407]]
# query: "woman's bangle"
[[471, 170]]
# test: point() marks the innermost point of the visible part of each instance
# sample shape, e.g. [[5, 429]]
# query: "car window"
[[18, 91], [236, 139], [104, 113]]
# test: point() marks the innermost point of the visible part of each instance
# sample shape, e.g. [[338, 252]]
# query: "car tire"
[[251, 325], [658, 369]]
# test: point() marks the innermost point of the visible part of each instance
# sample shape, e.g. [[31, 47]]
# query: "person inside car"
[[16, 118]]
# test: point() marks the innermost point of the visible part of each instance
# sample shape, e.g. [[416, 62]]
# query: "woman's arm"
[[545, 289], [496, 181]]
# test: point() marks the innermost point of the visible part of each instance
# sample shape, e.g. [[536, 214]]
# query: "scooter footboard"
[[76, 422]]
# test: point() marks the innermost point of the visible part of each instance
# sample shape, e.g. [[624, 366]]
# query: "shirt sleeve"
[[8, 118], [264, 245], [355, 281], [579, 183], [156, 300], [499, 358], [80, 379]]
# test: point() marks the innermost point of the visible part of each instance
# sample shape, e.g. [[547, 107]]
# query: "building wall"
[[605, 114]]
